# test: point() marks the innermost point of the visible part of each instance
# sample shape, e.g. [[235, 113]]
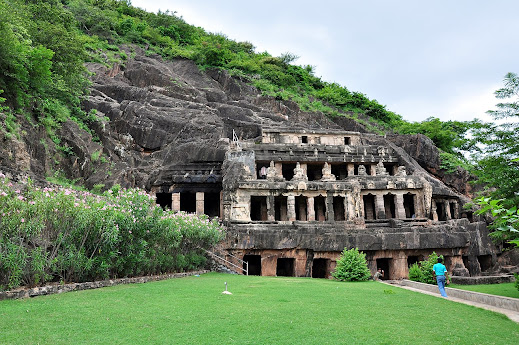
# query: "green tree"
[[351, 266], [497, 158]]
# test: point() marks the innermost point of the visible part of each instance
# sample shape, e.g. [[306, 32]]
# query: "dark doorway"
[[314, 172], [258, 208], [465, 261], [320, 268], [485, 262], [301, 208], [384, 264], [288, 170], [389, 206], [320, 208], [340, 171], [188, 202], [212, 204], [254, 264], [412, 260], [280, 205], [390, 168], [440, 210], [260, 165], [164, 200], [347, 140], [369, 207], [304, 139], [338, 208], [409, 205], [285, 267]]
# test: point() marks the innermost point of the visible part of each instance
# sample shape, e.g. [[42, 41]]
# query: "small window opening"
[[409, 205], [304, 139], [288, 170], [314, 172], [389, 206], [347, 141]]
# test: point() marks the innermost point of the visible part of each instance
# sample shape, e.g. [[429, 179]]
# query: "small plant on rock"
[[351, 266]]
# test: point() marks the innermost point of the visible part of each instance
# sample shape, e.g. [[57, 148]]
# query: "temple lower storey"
[[295, 199]]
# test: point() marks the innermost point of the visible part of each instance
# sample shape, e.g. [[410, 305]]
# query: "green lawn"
[[503, 289], [262, 310]]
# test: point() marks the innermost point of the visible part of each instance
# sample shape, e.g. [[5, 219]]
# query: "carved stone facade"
[[294, 200]]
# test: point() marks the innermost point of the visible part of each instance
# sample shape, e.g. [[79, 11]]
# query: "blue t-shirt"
[[439, 269]]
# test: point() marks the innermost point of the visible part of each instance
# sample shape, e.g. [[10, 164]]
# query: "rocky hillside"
[[154, 114]]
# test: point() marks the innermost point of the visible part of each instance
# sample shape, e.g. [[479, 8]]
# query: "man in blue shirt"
[[441, 275]]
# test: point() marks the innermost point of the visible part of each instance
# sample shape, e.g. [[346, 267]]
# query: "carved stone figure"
[[271, 171], [299, 173], [362, 170], [401, 171], [327, 173], [381, 169]]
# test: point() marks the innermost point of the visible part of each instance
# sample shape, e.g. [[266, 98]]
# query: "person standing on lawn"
[[441, 276]]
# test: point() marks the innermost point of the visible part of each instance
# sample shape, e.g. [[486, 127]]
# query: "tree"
[[351, 266], [497, 166]]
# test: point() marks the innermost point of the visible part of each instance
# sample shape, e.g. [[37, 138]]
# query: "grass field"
[[261, 310], [503, 289]]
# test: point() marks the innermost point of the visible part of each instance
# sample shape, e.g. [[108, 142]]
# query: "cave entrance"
[[258, 208], [412, 259], [320, 208], [212, 204], [409, 205], [314, 172], [389, 205], [301, 208], [384, 263], [164, 200], [285, 267], [287, 169], [280, 205], [254, 264], [369, 207], [320, 268], [440, 211], [338, 208], [188, 202], [485, 262]]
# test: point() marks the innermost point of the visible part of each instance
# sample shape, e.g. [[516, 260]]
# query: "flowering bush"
[[60, 234]]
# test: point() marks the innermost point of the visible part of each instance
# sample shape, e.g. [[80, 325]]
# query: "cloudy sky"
[[442, 58]]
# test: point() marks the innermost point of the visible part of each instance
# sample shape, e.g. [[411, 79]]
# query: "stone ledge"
[[508, 278], [60, 288], [478, 297]]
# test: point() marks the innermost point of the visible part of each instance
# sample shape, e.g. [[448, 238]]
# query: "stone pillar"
[[330, 213], [434, 211], [399, 206], [291, 208], [175, 201], [456, 210], [350, 207], [271, 208], [447, 209], [379, 207], [351, 169], [199, 202], [373, 170], [310, 208]]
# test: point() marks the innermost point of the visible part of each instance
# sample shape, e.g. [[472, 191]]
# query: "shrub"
[[423, 271], [516, 281], [351, 266]]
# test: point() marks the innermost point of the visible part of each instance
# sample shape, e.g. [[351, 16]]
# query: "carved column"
[[351, 169], [349, 206], [447, 209], [434, 211], [271, 208], [175, 201], [291, 208], [373, 170], [330, 214], [199, 202], [379, 207], [399, 206], [310, 208]]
